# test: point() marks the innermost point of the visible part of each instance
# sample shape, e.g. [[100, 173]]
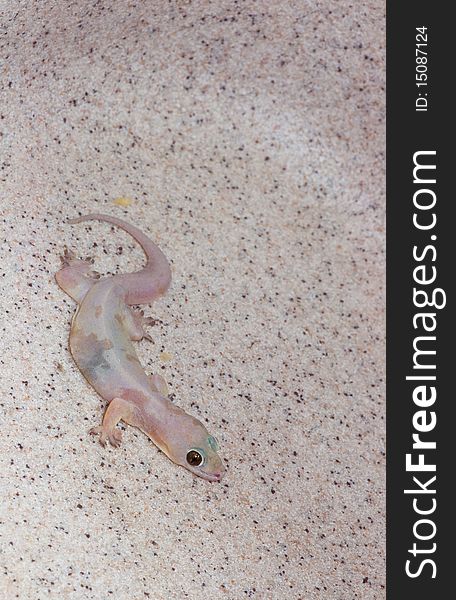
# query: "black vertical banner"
[[420, 308]]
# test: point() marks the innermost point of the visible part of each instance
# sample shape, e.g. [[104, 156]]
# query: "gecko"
[[101, 342]]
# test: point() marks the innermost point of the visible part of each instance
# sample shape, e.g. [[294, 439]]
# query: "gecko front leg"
[[118, 410]]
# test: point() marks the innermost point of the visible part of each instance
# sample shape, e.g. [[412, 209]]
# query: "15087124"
[[421, 68]]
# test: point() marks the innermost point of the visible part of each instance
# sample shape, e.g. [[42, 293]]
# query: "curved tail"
[[154, 279]]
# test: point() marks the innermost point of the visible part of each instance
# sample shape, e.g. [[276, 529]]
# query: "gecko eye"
[[195, 458]]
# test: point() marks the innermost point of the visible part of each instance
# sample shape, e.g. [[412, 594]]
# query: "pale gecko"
[[102, 331]]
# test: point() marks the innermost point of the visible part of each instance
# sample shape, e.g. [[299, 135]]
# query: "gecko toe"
[[115, 438], [99, 431], [67, 257], [150, 321]]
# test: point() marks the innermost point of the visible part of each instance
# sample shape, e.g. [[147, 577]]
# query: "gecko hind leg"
[[118, 410], [136, 322], [69, 259], [76, 276]]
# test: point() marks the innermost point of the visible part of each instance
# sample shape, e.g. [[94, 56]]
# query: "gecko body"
[[101, 342]]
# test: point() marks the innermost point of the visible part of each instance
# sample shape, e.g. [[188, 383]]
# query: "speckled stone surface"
[[249, 138]]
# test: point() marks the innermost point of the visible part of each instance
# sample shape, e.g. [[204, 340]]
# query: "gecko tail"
[[151, 250], [154, 279]]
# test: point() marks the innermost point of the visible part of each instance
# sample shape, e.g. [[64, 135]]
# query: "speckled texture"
[[249, 138]]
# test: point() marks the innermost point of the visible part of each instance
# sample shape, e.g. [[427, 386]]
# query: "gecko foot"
[[67, 257], [114, 436], [137, 325], [84, 266], [139, 315], [118, 409]]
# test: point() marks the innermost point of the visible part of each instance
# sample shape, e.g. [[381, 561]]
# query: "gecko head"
[[196, 450]]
